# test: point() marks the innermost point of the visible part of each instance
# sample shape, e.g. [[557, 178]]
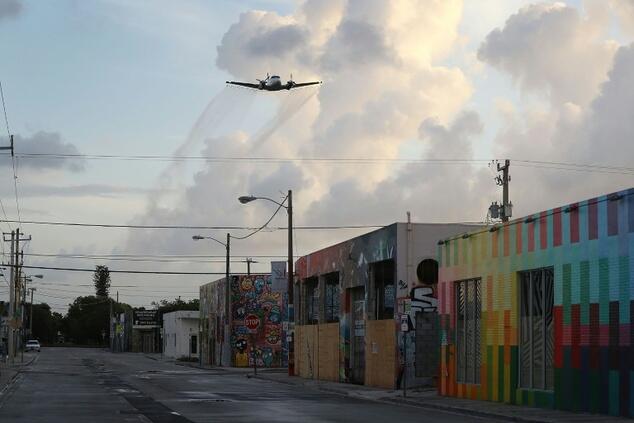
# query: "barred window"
[[468, 311], [311, 301], [536, 329], [332, 297]]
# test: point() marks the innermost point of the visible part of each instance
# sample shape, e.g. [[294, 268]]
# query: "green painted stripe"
[[604, 291], [566, 270], [489, 360], [559, 389], [614, 393], [624, 290], [585, 292], [595, 387], [500, 373], [514, 370]]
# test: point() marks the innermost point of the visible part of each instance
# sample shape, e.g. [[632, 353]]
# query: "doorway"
[[357, 342]]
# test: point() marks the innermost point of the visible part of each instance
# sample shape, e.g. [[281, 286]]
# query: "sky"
[[472, 80]]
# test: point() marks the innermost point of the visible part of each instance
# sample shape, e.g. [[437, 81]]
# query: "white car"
[[33, 345]]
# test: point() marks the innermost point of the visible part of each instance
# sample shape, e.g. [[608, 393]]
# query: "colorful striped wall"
[[589, 246]]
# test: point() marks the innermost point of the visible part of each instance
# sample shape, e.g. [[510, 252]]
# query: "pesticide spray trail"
[[225, 104], [292, 103]]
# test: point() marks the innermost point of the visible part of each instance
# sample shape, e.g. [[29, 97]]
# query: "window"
[[468, 310], [194, 344], [536, 329], [332, 297], [385, 294], [311, 301]]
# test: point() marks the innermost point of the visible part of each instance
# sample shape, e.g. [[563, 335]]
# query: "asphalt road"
[[85, 385]]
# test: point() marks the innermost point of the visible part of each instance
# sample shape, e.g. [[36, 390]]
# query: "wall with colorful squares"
[[589, 245]]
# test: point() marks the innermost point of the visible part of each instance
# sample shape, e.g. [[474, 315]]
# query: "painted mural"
[[588, 248], [257, 316], [351, 259]]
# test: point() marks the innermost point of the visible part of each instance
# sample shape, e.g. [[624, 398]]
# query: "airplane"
[[273, 83]]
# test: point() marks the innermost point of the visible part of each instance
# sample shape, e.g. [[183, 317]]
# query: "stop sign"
[[252, 321]]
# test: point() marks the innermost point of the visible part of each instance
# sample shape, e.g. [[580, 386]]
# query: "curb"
[[462, 411], [409, 402]]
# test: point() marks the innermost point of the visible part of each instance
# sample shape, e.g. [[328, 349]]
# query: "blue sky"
[[132, 77]]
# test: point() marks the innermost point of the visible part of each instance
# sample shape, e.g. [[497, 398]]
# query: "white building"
[[180, 334]]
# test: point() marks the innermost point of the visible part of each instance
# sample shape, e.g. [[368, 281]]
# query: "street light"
[[227, 246], [289, 210]]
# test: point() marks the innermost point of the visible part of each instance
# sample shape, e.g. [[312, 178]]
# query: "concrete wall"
[[178, 328], [214, 351], [589, 246]]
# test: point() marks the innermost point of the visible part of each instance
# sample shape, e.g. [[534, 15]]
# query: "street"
[[81, 385]]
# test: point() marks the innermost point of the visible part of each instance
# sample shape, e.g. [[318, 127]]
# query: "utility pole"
[[226, 335], [290, 311], [248, 261], [10, 147], [11, 300], [505, 210]]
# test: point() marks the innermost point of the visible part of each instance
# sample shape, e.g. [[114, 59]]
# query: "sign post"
[[405, 329], [252, 322]]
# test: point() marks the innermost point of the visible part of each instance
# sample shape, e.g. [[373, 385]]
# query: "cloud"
[[597, 134], [356, 44], [381, 78], [10, 8], [44, 143], [86, 190], [544, 47], [278, 41]]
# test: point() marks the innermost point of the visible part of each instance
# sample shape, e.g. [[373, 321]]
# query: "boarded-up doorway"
[[357, 344]]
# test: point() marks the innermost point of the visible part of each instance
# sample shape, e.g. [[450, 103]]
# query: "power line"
[[6, 121], [219, 227], [332, 160], [148, 272], [15, 175], [143, 260], [179, 256]]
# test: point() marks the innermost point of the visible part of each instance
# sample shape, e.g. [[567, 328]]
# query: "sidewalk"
[[8, 372], [428, 398], [424, 398]]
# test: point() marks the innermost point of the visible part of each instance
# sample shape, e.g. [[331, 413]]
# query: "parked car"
[[33, 345]]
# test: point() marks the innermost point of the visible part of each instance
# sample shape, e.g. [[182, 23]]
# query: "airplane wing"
[[244, 84], [305, 84]]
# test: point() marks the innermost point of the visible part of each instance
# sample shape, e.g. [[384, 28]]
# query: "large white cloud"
[[554, 49]]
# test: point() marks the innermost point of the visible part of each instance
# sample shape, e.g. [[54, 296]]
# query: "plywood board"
[[380, 353]]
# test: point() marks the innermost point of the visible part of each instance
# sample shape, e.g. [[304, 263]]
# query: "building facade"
[[539, 311], [180, 334], [146, 331], [351, 297], [255, 325]]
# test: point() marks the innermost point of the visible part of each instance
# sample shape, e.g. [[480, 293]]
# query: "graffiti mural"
[[256, 328], [423, 299]]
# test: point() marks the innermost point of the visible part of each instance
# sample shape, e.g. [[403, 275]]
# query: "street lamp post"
[[290, 312], [227, 246]]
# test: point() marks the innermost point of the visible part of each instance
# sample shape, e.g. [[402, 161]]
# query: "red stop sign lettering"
[[252, 321]]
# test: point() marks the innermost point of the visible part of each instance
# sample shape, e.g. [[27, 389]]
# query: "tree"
[[165, 306], [88, 320], [45, 323], [101, 279]]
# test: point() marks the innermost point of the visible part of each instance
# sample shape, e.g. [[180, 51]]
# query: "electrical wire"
[[332, 160], [250, 228], [279, 207], [147, 272]]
